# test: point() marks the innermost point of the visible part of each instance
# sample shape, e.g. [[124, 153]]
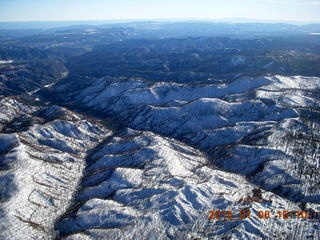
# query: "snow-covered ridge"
[[179, 151], [143, 186], [6, 61], [41, 169], [243, 126]]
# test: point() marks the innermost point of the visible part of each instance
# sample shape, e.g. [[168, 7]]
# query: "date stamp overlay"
[[232, 215]]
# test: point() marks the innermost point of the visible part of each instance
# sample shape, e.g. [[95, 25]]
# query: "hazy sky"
[[30, 10]]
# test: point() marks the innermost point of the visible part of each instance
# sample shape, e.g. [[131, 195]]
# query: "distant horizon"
[[235, 19], [299, 11], [46, 24]]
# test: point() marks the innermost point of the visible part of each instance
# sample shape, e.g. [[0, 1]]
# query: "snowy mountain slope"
[[176, 152], [242, 126], [13, 114], [256, 134], [143, 186], [138, 130], [41, 168]]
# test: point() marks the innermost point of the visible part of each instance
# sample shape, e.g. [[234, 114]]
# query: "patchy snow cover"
[[238, 60], [41, 169], [69, 177], [11, 107], [263, 128], [6, 61], [162, 189]]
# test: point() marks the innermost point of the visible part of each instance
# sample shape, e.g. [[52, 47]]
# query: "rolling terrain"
[[138, 131]]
